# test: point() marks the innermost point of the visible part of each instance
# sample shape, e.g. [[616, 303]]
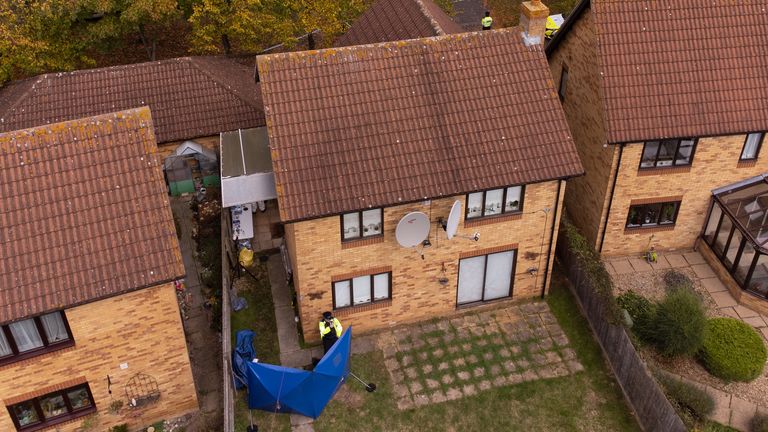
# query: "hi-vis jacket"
[[325, 329]]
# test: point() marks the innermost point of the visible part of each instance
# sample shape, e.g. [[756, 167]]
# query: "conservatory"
[[737, 232]]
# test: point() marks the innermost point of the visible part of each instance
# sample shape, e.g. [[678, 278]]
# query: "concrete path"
[[203, 343], [729, 410], [468, 13]]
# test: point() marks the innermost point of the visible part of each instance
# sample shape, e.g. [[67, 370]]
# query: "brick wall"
[[715, 164], [142, 329], [318, 256], [585, 201]]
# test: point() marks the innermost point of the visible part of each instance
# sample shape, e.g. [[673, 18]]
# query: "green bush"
[[732, 350], [642, 312], [677, 280], [759, 423], [691, 400], [119, 428], [678, 325]]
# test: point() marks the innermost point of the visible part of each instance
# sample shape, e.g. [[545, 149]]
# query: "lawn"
[[506, 13], [587, 401]]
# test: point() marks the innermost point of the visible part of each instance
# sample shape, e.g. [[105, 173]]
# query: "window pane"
[[78, 398], [471, 271], [563, 84], [684, 152], [750, 146], [667, 151], [733, 249], [714, 219], [26, 336], [635, 217], [475, 205], [53, 406], [759, 282], [668, 211], [649, 154], [54, 327], [341, 290], [498, 276], [493, 200], [513, 199], [745, 261], [5, 347], [371, 222], [351, 225], [651, 214], [381, 286], [361, 289], [722, 236], [25, 414]]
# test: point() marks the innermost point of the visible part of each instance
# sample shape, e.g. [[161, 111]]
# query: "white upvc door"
[[485, 277]]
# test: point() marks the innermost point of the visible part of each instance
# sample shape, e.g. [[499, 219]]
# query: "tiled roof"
[[392, 20], [389, 123], [682, 68], [190, 97], [84, 213]]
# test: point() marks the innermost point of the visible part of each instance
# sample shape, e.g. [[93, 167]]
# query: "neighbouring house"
[[193, 100], [367, 138], [668, 106], [393, 20], [89, 317]]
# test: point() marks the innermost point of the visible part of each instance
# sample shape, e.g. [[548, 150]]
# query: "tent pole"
[[369, 387]]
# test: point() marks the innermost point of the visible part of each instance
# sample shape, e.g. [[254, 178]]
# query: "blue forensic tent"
[[287, 390], [241, 356]]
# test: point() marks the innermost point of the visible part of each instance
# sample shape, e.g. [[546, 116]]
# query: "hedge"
[[732, 350]]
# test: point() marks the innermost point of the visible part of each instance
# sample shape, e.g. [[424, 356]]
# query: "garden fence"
[[226, 332], [651, 407]]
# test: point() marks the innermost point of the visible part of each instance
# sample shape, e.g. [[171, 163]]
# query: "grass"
[[506, 13], [259, 316], [594, 401]]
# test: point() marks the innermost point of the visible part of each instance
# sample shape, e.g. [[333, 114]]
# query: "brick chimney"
[[533, 19]]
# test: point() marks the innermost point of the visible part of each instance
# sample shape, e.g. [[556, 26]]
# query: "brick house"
[[667, 105], [88, 308], [362, 136], [191, 98]]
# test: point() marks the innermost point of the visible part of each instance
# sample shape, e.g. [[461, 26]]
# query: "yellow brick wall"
[[317, 256], [585, 201], [209, 142], [142, 329], [715, 164]]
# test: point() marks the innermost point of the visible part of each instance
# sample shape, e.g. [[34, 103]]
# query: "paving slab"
[[622, 266], [703, 271], [713, 285], [764, 331], [755, 322], [676, 260], [729, 311], [694, 258], [723, 299], [661, 263], [745, 312], [639, 264]]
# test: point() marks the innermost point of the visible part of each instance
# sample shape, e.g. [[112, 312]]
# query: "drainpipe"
[[551, 237], [610, 199]]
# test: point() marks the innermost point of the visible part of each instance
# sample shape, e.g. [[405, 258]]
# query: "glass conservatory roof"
[[747, 204]]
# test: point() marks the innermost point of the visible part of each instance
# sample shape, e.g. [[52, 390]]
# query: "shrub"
[[677, 280], [678, 324], [641, 310], [691, 400], [759, 423], [119, 428], [732, 350]]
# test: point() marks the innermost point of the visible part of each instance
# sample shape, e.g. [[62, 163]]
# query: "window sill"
[[40, 352], [746, 163], [57, 421], [349, 310], [486, 220], [348, 244], [642, 172], [650, 229]]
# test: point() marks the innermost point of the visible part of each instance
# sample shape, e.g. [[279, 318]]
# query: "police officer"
[[330, 330], [487, 21]]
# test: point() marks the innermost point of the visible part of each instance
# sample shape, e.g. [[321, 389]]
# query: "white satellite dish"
[[453, 220], [412, 229]]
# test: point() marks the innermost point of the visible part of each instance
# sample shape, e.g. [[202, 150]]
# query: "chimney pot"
[[533, 19]]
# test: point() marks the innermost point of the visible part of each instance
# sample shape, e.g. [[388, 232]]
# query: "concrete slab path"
[[468, 13]]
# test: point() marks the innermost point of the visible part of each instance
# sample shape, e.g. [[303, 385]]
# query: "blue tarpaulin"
[[287, 390], [241, 356]]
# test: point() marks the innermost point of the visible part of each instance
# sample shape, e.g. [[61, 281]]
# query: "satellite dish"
[[412, 229], [453, 220]]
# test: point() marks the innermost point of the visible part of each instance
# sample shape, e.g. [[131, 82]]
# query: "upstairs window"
[[667, 153], [53, 408], [361, 224], [495, 202], [752, 146], [651, 215], [563, 83], [34, 336]]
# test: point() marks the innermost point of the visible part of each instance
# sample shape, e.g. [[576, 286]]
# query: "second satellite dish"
[[412, 229], [453, 220]]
